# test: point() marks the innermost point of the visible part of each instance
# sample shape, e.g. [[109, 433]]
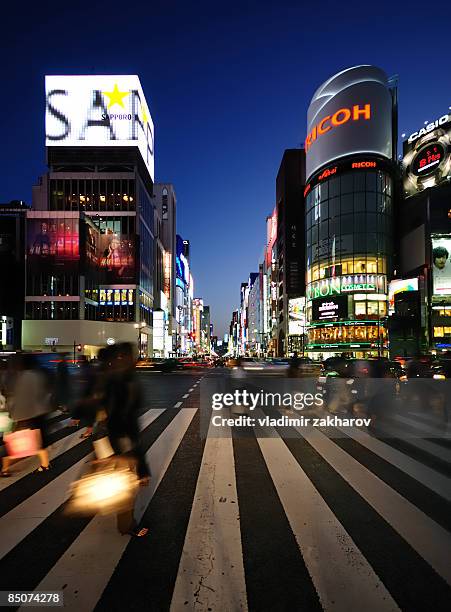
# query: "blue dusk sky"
[[228, 85]]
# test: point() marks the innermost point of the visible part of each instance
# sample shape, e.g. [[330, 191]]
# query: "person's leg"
[[6, 461], [43, 455]]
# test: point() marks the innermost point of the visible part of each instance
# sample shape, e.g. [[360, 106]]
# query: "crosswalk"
[[250, 520]]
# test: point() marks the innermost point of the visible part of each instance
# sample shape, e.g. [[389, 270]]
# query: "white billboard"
[[441, 265], [98, 111]]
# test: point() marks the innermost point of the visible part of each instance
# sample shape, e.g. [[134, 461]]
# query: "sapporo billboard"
[[99, 110], [427, 156], [350, 114]]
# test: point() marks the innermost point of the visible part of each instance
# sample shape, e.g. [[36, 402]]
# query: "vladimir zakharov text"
[[242, 397]]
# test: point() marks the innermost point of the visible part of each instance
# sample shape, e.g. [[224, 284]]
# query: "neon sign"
[[340, 117]]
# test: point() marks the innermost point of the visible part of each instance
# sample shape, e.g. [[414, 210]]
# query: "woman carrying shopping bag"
[[28, 405]]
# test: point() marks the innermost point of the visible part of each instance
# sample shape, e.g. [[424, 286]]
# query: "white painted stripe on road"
[[211, 571], [436, 450], [149, 417], [177, 404], [185, 396], [340, 572], [424, 431], [192, 389], [24, 518], [420, 472], [429, 539], [88, 564]]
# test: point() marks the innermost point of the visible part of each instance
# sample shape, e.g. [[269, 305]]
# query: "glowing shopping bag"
[[6, 422], [22, 443], [109, 487]]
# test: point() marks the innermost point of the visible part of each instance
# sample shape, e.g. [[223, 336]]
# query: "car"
[[158, 365]]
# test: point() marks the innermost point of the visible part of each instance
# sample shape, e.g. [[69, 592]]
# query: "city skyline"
[[241, 101]]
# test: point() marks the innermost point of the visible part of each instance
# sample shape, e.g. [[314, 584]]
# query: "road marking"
[[185, 396], [420, 472], [177, 404], [211, 571], [88, 564], [192, 389], [429, 539], [347, 576]]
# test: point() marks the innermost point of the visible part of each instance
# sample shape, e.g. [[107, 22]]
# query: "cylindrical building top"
[[350, 113]]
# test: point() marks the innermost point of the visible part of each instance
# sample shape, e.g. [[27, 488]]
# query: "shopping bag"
[[109, 487], [23, 443], [6, 422], [102, 448]]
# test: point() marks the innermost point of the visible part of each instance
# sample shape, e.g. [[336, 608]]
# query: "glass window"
[[347, 183], [324, 191], [359, 181], [346, 204], [334, 207], [359, 223], [371, 202], [360, 308], [334, 187], [371, 222], [359, 202], [371, 181]]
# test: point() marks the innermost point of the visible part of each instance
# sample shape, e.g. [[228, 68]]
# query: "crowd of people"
[[108, 404]]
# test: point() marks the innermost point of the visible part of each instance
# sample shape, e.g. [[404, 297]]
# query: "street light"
[[139, 327]]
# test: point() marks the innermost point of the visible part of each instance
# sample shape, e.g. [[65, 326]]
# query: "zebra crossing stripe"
[[340, 573], [429, 539], [421, 473], [211, 572]]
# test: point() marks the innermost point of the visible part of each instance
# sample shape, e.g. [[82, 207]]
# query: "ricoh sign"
[[350, 114], [96, 111]]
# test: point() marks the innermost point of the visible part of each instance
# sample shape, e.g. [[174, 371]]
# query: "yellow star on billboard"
[[145, 117], [116, 96]]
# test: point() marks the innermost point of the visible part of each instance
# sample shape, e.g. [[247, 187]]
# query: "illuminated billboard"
[[427, 156], [52, 241], [296, 316], [99, 111], [400, 285], [349, 114], [441, 265], [351, 283], [330, 308], [117, 258]]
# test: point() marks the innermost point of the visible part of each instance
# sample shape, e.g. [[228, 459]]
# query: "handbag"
[[23, 443], [108, 487], [101, 441]]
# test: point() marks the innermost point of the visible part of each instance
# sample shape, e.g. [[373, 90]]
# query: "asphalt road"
[[240, 522]]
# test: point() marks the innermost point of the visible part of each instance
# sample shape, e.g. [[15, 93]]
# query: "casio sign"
[[430, 127]]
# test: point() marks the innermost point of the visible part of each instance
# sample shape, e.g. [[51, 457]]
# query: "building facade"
[[349, 195], [90, 276]]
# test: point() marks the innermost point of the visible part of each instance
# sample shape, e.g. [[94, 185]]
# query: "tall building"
[[91, 232], [351, 169], [184, 291], [165, 272], [12, 264], [290, 242], [421, 294]]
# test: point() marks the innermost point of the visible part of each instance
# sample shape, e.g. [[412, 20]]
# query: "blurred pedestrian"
[[28, 403], [123, 403]]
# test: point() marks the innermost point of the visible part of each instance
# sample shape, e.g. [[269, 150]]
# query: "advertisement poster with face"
[[441, 265], [117, 258]]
